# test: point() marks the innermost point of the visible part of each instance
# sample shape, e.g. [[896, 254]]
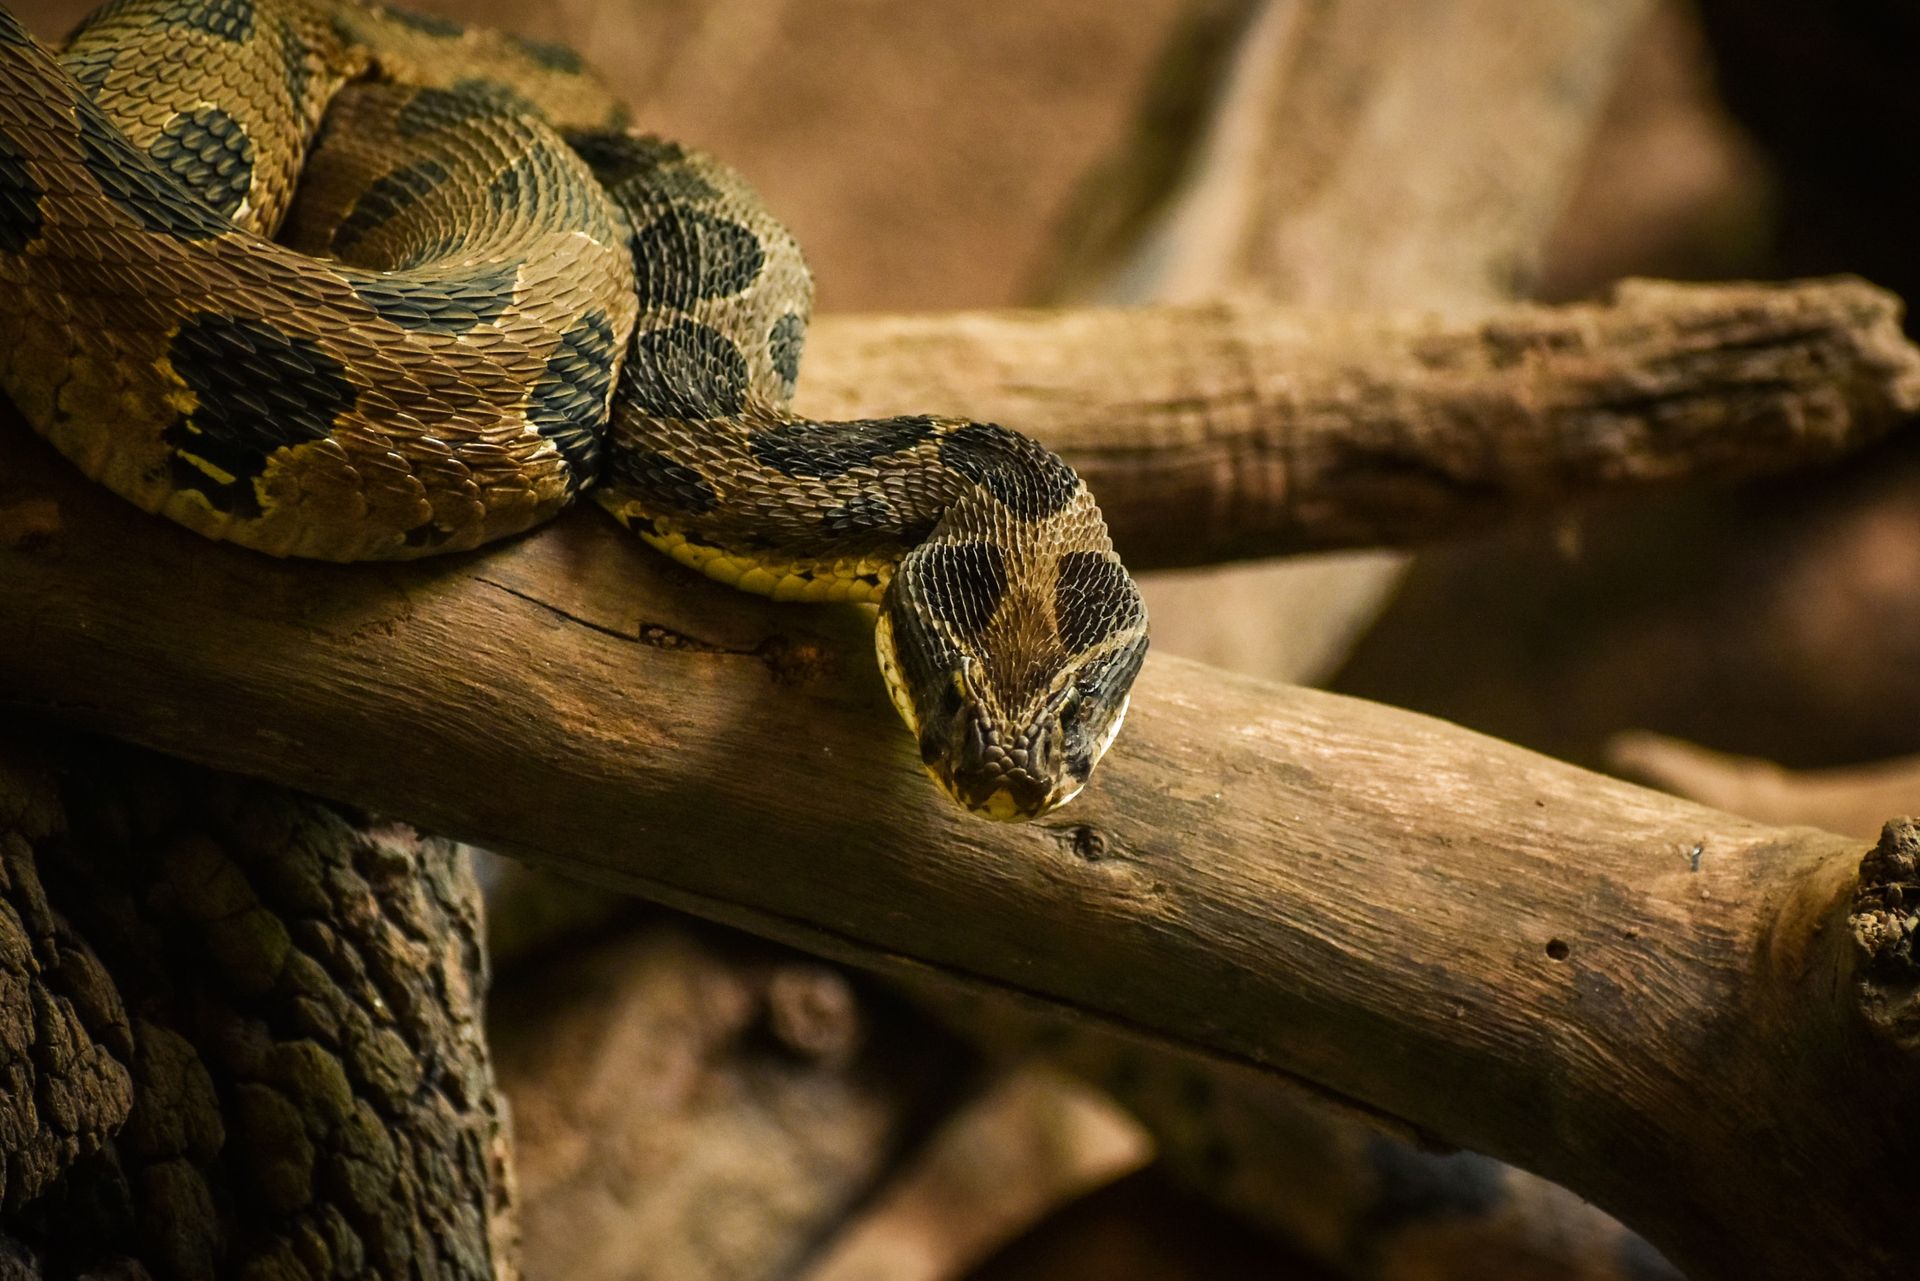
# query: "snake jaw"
[[1001, 770], [1003, 806], [1000, 787], [890, 673]]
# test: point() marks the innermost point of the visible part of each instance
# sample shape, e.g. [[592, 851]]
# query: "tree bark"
[[1219, 431], [1621, 991], [65, 1045], [254, 1046]]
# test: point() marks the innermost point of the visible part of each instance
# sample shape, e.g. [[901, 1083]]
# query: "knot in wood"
[[1886, 905]]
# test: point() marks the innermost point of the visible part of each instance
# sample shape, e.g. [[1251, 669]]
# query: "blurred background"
[[938, 156]]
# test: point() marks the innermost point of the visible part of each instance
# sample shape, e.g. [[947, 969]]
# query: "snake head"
[[1012, 671]]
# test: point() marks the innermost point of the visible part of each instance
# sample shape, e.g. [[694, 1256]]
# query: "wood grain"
[[1622, 991], [1231, 430]]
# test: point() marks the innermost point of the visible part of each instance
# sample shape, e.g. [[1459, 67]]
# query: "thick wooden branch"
[[1629, 994], [1219, 431]]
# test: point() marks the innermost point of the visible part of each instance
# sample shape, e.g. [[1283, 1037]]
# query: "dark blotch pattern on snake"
[[483, 298], [240, 420]]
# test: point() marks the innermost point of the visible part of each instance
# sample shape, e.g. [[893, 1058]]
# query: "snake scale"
[[333, 280]]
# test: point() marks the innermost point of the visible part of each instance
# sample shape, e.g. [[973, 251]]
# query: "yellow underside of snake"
[[333, 280]]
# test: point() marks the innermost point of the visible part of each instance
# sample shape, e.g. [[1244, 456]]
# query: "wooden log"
[[1627, 993], [1231, 430]]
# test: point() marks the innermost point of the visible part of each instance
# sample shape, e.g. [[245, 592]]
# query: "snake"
[[334, 280]]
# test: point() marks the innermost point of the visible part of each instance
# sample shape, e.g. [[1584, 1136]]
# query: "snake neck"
[[764, 572]]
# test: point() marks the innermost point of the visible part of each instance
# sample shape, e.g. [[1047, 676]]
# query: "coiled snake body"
[[486, 298]]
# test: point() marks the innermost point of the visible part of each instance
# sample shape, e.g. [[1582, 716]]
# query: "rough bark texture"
[[65, 1047], [1616, 989], [1886, 928], [1216, 431], [283, 1075]]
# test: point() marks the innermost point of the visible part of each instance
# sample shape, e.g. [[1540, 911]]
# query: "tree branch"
[[1616, 989], [1218, 431], [1854, 799], [1372, 153]]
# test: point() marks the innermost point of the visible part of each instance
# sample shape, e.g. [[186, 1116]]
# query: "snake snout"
[[1008, 777]]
